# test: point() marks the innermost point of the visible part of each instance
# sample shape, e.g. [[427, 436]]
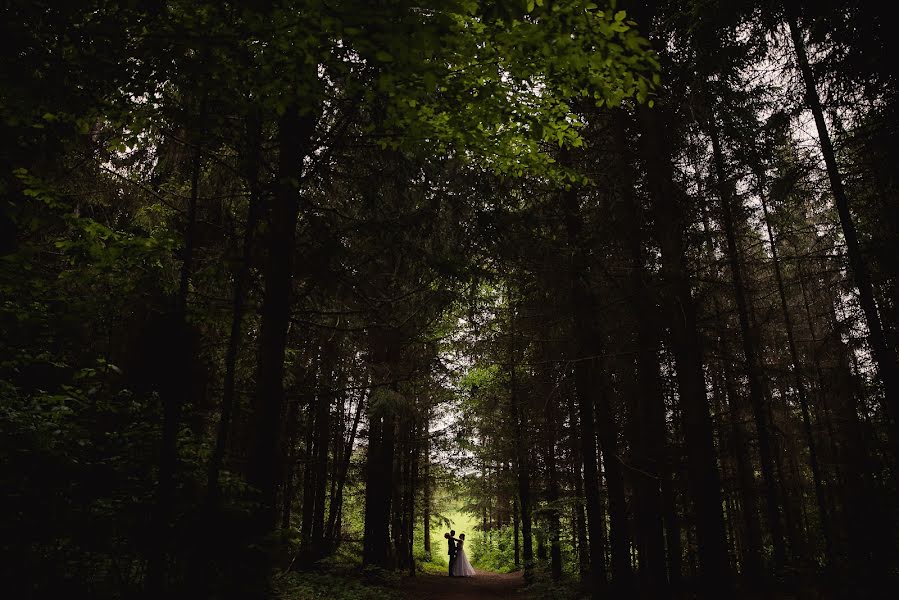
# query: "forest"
[[291, 288]]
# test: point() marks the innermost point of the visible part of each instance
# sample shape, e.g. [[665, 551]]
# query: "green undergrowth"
[[339, 576], [544, 588], [548, 590], [348, 585]]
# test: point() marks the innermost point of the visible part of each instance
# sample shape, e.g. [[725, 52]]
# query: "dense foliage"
[[287, 285]]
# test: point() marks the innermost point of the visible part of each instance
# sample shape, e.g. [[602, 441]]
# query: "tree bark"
[[309, 470], [379, 483], [618, 526], [552, 496], [580, 519], [586, 366], [884, 354], [516, 534], [176, 393], [294, 139], [749, 338], [703, 476], [798, 381], [413, 483], [648, 413], [324, 400], [238, 304], [521, 451], [333, 532], [426, 483]]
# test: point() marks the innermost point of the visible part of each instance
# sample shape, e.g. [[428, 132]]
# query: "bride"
[[462, 568]]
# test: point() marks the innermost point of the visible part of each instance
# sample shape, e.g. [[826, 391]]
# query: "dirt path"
[[483, 586]]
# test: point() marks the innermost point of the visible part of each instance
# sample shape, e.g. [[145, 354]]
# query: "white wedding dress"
[[462, 568]]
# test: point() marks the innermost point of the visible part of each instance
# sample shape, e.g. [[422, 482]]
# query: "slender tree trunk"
[[586, 366], [869, 541], [884, 354], [290, 463], [851, 452], [648, 413], [426, 483], [595, 521], [238, 303], [324, 400], [704, 479], [750, 351], [413, 483], [309, 471], [333, 531], [400, 465], [673, 543], [750, 550], [618, 525], [311, 399], [521, 447], [338, 441], [375, 531], [583, 550], [379, 483], [553, 487], [516, 533], [541, 543], [752, 547], [798, 381], [176, 393], [649, 444], [294, 136]]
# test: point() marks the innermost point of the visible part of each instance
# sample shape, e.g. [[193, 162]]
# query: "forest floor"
[[483, 586]]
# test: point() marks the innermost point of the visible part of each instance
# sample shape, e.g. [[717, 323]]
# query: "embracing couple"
[[458, 562]]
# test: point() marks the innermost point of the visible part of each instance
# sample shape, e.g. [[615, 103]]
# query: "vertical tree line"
[[254, 259]]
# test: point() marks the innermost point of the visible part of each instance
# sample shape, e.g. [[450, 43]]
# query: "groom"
[[451, 542]]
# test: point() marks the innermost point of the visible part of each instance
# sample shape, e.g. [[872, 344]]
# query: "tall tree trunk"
[[752, 547], [399, 490], [750, 551], [238, 304], [338, 441], [413, 483], [703, 478], [374, 532], [586, 366], [333, 532], [869, 540], [884, 354], [176, 393], [309, 471], [673, 543], [379, 483], [552, 496], [521, 450], [618, 525], [294, 138], [580, 519], [749, 337], [798, 381], [293, 416], [323, 404], [426, 483], [648, 428]]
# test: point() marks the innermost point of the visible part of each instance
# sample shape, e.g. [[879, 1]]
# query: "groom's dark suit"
[[452, 554]]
